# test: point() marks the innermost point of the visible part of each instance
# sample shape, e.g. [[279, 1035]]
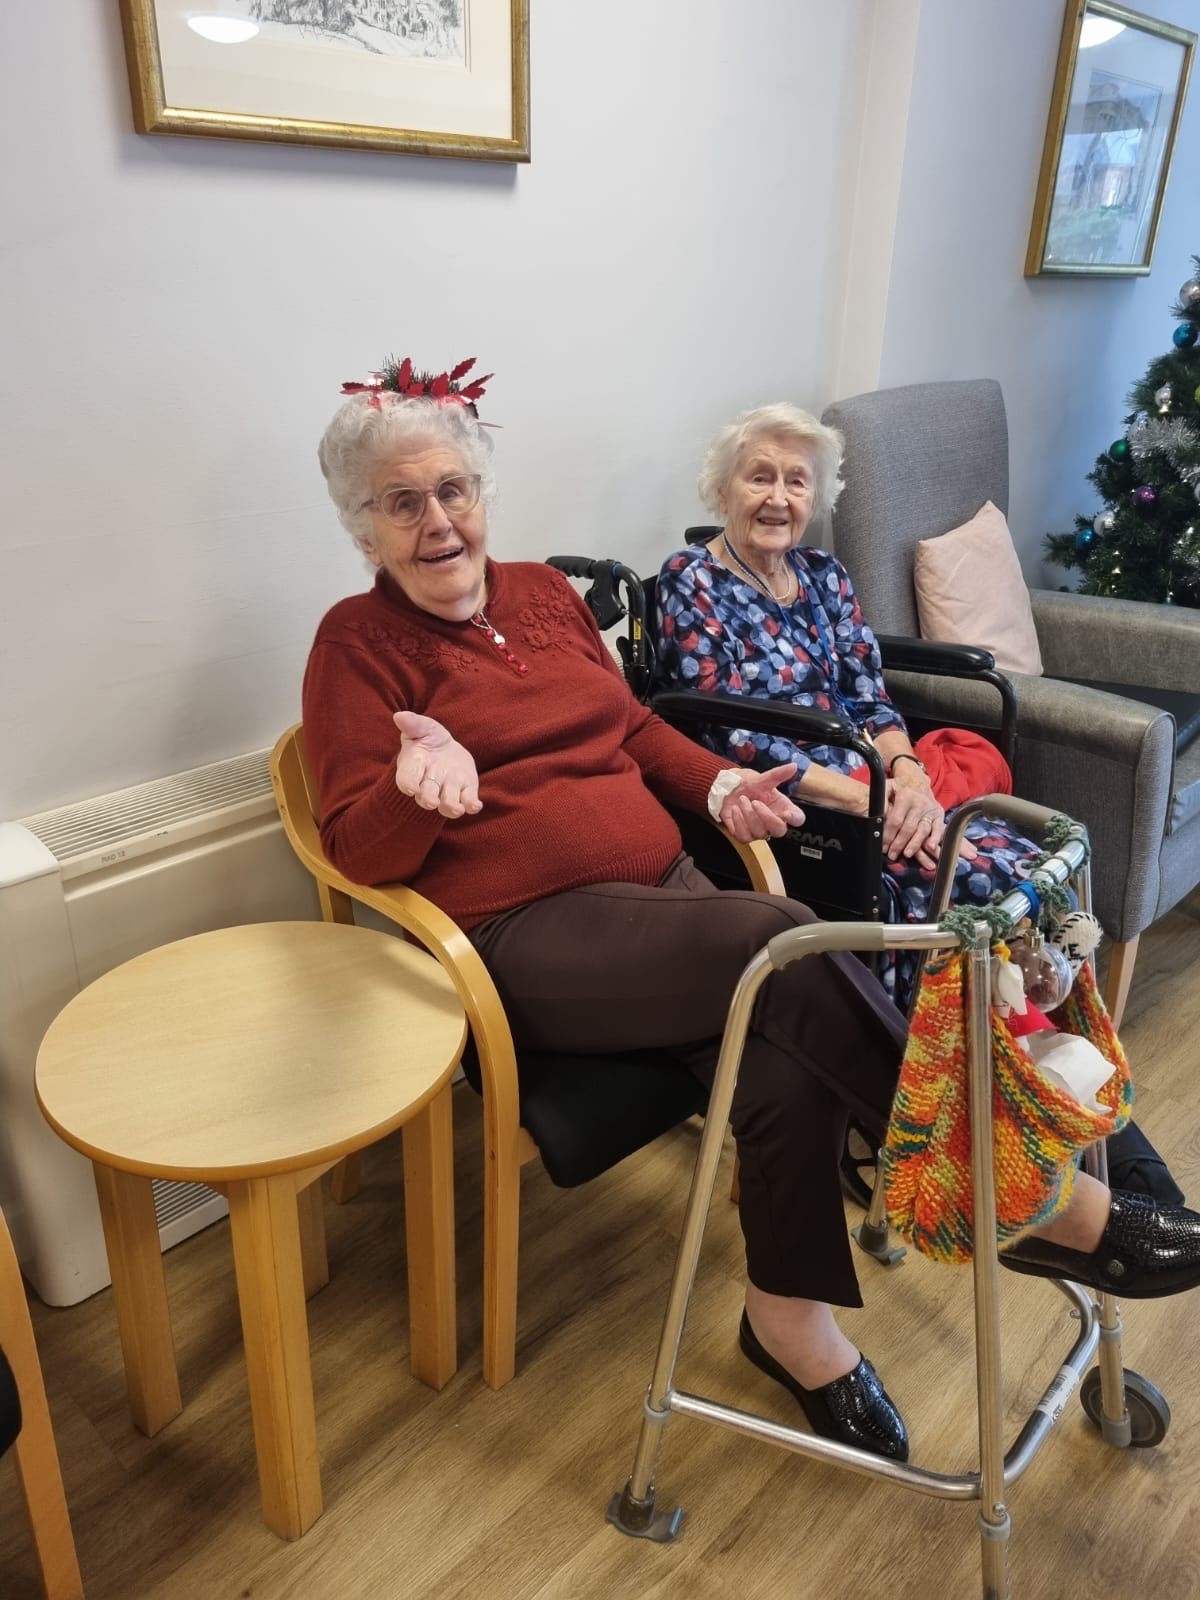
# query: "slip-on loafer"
[[855, 1410], [1146, 1251]]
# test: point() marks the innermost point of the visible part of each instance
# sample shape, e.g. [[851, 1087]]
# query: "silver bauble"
[[1162, 399], [1103, 524], [1189, 294]]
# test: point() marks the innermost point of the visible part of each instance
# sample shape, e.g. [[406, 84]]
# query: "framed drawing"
[[1118, 94], [433, 77]]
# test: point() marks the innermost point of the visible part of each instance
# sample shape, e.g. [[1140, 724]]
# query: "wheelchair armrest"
[[936, 659], [797, 723], [904, 654]]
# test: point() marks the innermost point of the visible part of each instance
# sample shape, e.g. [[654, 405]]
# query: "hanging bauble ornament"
[[1119, 449], [1102, 526], [1189, 293], [1084, 540], [1044, 968], [1162, 399], [1144, 496], [1185, 335], [1196, 394]]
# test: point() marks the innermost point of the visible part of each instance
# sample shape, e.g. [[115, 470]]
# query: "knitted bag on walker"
[[1039, 1129]]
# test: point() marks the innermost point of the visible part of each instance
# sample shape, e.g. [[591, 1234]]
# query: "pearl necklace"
[[481, 622], [757, 577]]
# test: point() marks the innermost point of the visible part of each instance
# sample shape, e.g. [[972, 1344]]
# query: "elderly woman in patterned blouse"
[[759, 613]]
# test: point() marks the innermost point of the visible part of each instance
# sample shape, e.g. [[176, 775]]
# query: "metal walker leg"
[[633, 1510]]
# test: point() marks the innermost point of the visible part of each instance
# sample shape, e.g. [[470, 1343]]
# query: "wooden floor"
[[502, 1496]]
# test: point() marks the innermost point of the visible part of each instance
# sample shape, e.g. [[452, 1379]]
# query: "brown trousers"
[[615, 966]]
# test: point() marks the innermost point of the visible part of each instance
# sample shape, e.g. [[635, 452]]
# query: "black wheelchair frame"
[[834, 861]]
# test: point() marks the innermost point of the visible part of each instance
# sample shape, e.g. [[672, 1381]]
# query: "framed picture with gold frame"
[[1118, 95], [431, 77]]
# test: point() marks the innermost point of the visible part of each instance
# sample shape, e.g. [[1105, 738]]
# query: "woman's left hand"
[[758, 809], [913, 823]]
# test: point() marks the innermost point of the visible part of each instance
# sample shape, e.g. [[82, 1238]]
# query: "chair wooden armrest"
[[506, 1144]]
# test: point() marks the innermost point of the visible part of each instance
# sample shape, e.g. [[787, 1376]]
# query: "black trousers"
[[617, 966]]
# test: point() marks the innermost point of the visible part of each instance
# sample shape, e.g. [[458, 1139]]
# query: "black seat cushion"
[[1184, 707], [586, 1113], [10, 1405]]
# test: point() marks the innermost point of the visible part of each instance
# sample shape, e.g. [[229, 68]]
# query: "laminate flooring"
[[501, 1496]]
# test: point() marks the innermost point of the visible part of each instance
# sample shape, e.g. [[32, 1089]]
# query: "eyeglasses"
[[405, 506]]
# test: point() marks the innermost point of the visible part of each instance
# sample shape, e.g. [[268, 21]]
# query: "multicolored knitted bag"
[[1039, 1129]]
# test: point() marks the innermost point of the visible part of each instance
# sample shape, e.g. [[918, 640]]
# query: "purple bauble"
[[1145, 496]]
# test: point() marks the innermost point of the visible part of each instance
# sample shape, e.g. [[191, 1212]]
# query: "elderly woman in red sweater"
[[471, 736]]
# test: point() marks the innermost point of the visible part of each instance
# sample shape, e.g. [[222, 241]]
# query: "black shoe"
[[1145, 1251], [855, 1410]]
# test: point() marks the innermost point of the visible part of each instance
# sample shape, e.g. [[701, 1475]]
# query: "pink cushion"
[[970, 590]]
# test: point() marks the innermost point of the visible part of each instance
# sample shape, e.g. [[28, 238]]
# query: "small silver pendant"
[[498, 637]]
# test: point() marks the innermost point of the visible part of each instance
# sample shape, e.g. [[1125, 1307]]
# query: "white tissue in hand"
[[1070, 1063]]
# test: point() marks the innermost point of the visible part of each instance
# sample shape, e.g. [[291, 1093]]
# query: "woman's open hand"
[[434, 768], [758, 809]]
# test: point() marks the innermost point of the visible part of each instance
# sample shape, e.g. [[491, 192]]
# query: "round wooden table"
[[252, 1059]]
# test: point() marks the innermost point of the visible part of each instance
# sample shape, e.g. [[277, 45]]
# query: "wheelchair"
[[834, 861]]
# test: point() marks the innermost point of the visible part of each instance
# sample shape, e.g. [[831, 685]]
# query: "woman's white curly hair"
[[825, 447], [366, 428]]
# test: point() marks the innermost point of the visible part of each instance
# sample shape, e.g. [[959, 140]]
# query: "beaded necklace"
[[481, 622], [757, 577]]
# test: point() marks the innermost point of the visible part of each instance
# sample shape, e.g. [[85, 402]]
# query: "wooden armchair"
[[530, 1109], [25, 1425]]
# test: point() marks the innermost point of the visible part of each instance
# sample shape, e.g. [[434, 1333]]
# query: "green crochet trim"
[[1055, 898], [963, 920]]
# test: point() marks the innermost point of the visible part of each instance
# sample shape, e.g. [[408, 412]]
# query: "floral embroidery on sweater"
[[414, 645], [546, 619]]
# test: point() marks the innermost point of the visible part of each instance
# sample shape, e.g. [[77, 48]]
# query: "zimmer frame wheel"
[[1149, 1413]]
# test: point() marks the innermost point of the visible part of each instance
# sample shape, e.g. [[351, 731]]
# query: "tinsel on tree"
[[1146, 545]]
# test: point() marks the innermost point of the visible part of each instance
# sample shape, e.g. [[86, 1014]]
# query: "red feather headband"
[[401, 378]]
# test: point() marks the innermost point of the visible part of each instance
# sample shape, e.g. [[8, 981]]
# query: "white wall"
[[1065, 350], [180, 313]]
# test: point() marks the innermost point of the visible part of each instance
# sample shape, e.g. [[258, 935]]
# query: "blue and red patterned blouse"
[[718, 633]]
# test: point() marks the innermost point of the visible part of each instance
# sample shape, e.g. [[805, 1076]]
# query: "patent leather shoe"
[[1146, 1251], [855, 1410]]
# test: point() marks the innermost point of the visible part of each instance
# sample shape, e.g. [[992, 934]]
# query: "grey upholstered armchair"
[[921, 460]]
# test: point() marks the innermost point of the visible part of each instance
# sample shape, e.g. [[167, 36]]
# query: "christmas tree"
[[1146, 545]]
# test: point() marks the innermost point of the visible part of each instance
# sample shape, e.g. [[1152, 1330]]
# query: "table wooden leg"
[[312, 1238], [265, 1225], [346, 1178], [139, 1296], [429, 1230]]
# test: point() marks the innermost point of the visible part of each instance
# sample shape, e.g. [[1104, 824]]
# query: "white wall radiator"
[[82, 889]]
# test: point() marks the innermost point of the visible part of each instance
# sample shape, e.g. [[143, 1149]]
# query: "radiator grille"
[[238, 786]]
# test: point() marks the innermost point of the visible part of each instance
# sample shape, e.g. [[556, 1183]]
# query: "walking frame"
[[1127, 1409]]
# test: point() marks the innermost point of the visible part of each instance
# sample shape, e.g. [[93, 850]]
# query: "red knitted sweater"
[[569, 763]]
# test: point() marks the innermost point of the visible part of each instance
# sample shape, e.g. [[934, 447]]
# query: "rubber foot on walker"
[[876, 1243], [639, 1520]]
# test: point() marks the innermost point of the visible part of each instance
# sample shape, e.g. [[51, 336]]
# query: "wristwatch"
[[904, 756]]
